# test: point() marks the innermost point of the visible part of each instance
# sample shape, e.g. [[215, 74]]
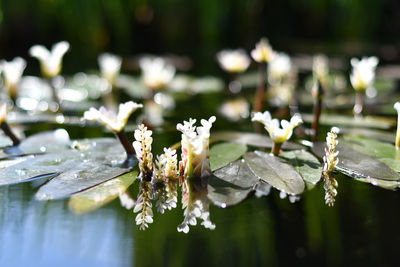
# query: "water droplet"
[[43, 149], [223, 205]]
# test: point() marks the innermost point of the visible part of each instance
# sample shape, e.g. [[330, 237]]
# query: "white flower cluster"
[[156, 73], [330, 162], [195, 147], [363, 73], [278, 135], [170, 162], [263, 51], [233, 61], [114, 122], [142, 147], [50, 61], [110, 66]]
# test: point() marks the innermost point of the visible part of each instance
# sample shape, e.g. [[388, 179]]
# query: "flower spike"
[[330, 162]]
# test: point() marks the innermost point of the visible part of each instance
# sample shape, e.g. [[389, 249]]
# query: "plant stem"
[[276, 148], [319, 94], [398, 132], [359, 104], [259, 97], [55, 96], [7, 130], [125, 143]]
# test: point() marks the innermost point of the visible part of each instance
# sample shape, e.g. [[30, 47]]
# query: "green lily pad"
[[306, 165], [275, 171], [224, 153], [384, 152], [351, 121], [370, 133], [231, 184], [101, 194], [362, 167], [105, 150], [251, 139]]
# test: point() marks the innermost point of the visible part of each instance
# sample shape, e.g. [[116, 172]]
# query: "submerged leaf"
[[252, 139], [362, 167], [306, 165], [231, 184], [224, 153], [275, 171], [101, 194]]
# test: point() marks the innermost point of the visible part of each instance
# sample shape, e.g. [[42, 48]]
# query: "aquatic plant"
[[156, 72], [110, 66], [233, 61], [278, 135], [194, 167], [330, 161], [143, 205], [279, 67], [361, 78]]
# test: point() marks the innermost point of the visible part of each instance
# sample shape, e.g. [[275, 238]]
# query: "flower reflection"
[[50, 61], [235, 109]]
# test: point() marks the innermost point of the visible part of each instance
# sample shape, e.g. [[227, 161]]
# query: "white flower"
[[195, 148], [234, 61], [320, 66], [110, 66], [363, 73], [12, 71], [156, 73], [277, 134], [114, 122], [279, 67], [263, 51], [235, 109], [126, 200], [50, 61], [3, 113]]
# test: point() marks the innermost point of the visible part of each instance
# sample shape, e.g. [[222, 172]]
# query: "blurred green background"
[[198, 29]]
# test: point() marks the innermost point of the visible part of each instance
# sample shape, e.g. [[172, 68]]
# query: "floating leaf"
[[99, 149], [252, 139], [361, 167], [384, 152], [224, 153], [44, 142], [275, 171], [231, 184], [351, 121], [306, 165], [371, 133], [101, 194]]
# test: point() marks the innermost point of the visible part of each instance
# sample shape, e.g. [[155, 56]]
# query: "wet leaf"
[[105, 150], [44, 142], [224, 153], [101, 194], [351, 121], [275, 171], [252, 139], [231, 184], [362, 167], [370, 133], [384, 152], [306, 165]]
